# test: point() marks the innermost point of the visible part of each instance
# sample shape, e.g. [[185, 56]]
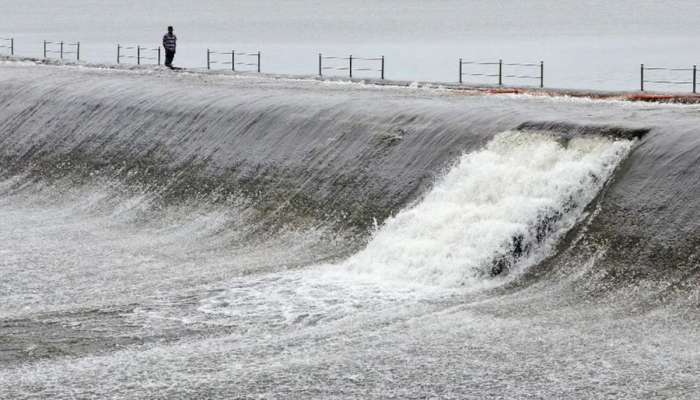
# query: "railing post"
[[77, 51], [138, 55], [208, 60], [44, 49], [460, 71], [258, 61], [382, 67], [158, 55], [61, 49], [350, 66], [695, 78], [642, 79], [12, 46], [500, 72], [541, 74], [118, 52], [233, 60], [320, 64]]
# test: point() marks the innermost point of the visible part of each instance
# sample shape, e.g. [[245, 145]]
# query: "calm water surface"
[[585, 44]]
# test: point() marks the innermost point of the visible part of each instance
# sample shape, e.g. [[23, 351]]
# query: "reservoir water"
[[591, 44]]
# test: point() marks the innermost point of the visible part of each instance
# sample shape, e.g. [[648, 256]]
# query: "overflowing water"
[[238, 237], [523, 191]]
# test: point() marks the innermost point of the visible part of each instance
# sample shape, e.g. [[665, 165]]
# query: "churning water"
[[522, 190], [203, 236]]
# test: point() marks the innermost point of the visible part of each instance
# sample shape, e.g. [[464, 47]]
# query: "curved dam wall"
[[202, 236], [350, 156]]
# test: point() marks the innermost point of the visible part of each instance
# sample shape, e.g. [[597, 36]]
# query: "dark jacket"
[[170, 41]]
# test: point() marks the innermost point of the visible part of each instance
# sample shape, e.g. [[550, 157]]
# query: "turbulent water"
[[203, 236]]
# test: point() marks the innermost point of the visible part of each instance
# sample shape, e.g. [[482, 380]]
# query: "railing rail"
[[8, 43], [669, 81], [141, 54], [500, 73], [350, 66], [679, 76], [59, 48], [233, 60]]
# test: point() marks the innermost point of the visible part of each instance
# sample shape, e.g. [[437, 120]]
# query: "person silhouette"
[[170, 44]]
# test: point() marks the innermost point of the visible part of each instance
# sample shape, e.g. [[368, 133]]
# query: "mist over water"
[[205, 236], [585, 44]]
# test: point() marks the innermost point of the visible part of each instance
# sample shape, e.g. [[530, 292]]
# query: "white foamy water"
[[449, 239], [519, 182]]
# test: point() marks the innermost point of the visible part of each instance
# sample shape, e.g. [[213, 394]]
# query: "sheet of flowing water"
[[111, 297], [589, 44]]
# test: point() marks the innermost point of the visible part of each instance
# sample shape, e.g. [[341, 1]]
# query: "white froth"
[[471, 216]]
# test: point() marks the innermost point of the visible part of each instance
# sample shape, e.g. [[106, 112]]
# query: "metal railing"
[[233, 61], [500, 73], [501, 70], [138, 53], [59, 48], [350, 66], [692, 82], [8, 43]]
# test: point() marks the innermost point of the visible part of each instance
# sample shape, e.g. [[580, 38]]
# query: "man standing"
[[169, 43]]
